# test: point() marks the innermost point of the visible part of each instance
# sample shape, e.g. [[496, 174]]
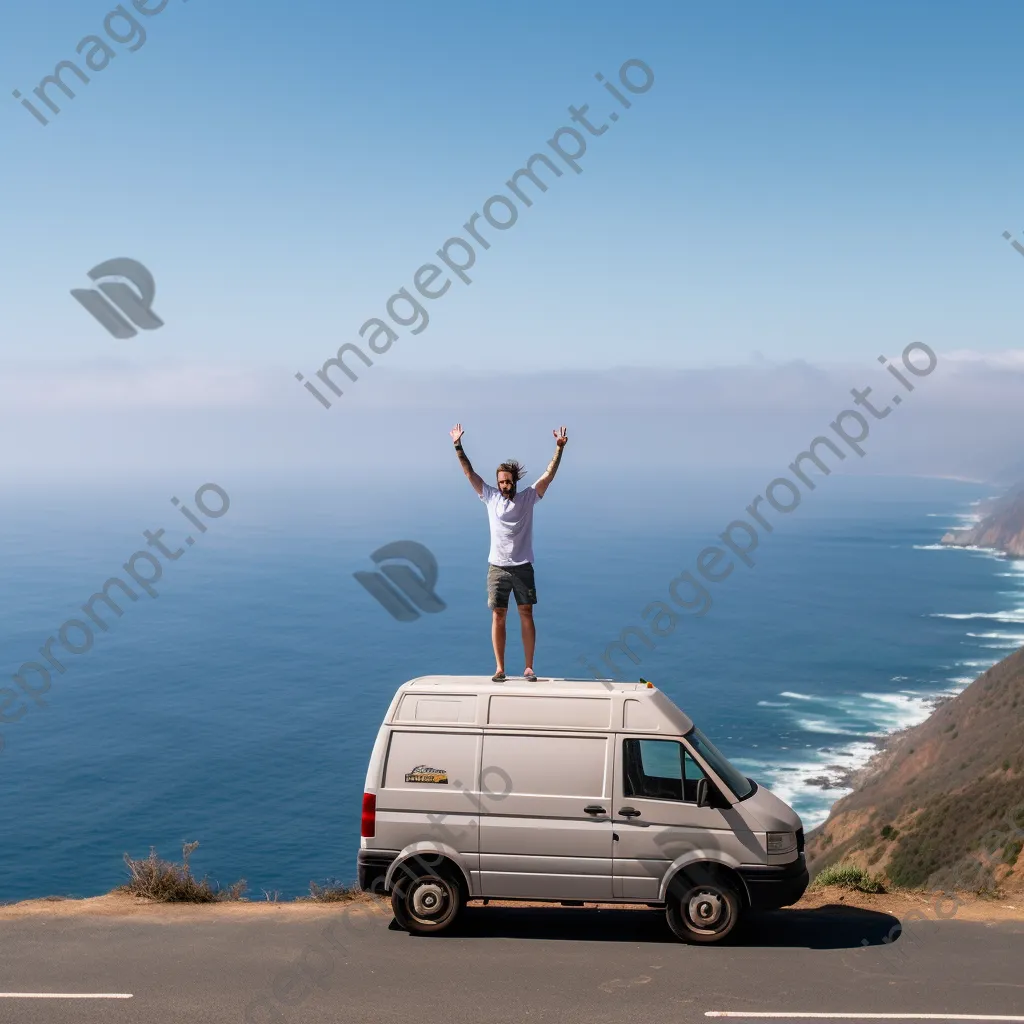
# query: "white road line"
[[66, 995], [866, 1016]]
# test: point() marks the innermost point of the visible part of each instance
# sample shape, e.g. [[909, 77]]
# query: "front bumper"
[[771, 887], [372, 867]]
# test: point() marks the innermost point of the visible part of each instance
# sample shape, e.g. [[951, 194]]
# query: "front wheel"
[[703, 912], [426, 904]]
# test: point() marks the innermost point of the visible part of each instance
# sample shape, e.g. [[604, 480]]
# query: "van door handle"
[[629, 812], [594, 809]]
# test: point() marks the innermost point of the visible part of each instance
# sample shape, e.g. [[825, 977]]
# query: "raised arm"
[[474, 478], [549, 474]]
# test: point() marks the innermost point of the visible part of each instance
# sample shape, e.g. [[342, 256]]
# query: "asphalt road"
[[561, 965]]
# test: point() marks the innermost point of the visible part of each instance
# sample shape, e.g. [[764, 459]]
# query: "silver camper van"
[[571, 791]]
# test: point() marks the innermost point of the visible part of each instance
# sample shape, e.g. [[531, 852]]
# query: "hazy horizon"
[[121, 420]]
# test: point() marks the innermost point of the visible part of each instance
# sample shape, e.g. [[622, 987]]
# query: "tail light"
[[369, 828]]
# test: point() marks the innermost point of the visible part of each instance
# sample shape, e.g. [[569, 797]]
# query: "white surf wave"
[[895, 711], [1012, 616], [864, 715], [823, 725]]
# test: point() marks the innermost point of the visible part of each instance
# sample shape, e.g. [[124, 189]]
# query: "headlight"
[[781, 842]]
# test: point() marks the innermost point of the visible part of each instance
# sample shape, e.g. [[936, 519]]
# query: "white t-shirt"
[[511, 525]]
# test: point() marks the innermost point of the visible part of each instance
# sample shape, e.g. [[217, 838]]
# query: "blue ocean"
[[239, 706]]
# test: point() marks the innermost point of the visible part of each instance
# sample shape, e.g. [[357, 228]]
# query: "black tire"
[[701, 911], [426, 904]]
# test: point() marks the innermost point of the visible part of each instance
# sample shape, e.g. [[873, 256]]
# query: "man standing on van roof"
[[510, 561]]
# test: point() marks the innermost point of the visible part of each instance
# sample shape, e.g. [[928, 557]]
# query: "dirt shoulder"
[[962, 907], [967, 907], [119, 905]]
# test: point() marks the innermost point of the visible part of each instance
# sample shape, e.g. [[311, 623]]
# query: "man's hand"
[[561, 439], [456, 433]]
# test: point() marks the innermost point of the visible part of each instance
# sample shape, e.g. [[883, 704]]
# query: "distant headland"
[[1000, 528]]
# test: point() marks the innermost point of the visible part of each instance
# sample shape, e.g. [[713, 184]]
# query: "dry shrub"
[[166, 882], [848, 876]]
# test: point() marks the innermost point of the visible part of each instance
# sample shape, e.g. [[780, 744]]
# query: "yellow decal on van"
[[424, 773]]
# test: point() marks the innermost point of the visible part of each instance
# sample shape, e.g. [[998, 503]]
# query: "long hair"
[[513, 467]]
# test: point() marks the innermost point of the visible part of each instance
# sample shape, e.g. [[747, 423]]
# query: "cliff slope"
[[943, 803]]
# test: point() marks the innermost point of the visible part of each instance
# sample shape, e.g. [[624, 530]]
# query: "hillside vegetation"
[[943, 804]]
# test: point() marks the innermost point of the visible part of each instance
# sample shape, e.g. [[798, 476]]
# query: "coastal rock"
[[821, 782]]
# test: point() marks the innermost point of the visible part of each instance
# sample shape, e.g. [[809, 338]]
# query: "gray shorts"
[[503, 580]]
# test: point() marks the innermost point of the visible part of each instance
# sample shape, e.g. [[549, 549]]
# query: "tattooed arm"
[[474, 478], [549, 474]]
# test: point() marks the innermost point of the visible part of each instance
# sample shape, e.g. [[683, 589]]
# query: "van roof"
[[543, 686], [659, 704]]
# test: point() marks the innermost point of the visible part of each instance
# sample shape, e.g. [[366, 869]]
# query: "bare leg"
[[498, 617], [529, 635]]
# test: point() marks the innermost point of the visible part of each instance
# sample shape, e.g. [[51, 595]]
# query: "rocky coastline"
[[1000, 527]]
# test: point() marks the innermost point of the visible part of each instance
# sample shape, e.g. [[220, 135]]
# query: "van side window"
[[659, 770]]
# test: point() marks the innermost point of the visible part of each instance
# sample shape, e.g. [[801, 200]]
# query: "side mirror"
[[702, 792]]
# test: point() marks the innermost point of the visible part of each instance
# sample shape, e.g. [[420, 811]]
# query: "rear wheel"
[[426, 904], [702, 910]]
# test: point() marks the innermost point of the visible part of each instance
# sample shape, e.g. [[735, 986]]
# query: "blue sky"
[[803, 181]]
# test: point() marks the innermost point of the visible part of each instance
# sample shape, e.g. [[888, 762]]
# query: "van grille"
[[799, 840]]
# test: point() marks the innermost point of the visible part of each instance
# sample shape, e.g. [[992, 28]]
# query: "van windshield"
[[732, 777]]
